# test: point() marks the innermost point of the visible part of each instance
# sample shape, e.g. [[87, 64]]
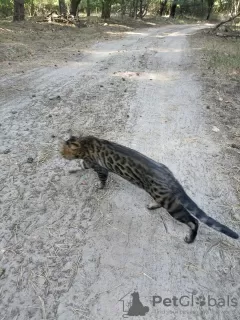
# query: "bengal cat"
[[155, 178]]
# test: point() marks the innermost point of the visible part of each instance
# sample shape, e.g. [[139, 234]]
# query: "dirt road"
[[69, 251]]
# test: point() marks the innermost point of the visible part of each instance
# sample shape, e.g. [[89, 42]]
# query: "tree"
[[173, 8], [210, 6], [123, 8], [62, 7], [162, 7], [18, 14], [74, 6], [106, 9], [135, 8], [131, 9], [141, 9], [88, 8], [32, 10]]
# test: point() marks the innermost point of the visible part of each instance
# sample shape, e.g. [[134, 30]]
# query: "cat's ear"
[[74, 133]]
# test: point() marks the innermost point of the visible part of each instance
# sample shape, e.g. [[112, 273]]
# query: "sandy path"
[[70, 251]]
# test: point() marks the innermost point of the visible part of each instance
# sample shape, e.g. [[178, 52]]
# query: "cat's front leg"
[[102, 175], [83, 164]]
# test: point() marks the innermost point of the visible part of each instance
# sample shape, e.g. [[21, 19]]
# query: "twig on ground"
[[110, 290], [43, 308], [209, 250], [223, 22]]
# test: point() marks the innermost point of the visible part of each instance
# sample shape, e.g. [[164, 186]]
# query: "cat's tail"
[[195, 211]]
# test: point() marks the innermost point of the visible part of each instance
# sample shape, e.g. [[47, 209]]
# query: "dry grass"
[[37, 41], [34, 39], [218, 62], [223, 55]]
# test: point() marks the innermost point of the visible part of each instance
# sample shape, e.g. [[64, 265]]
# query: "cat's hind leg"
[[182, 215]]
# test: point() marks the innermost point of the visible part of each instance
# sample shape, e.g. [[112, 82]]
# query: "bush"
[[6, 8]]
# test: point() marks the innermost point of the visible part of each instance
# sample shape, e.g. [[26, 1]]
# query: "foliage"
[[40, 6], [228, 6], [6, 7], [184, 7]]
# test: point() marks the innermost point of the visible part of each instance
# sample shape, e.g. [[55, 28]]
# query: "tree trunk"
[[18, 14], [106, 9], [140, 9], [162, 7], [123, 8], [88, 8], [237, 6], [32, 8], [173, 9], [62, 7], [209, 13], [210, 6], [135, 9], [131, 10], [74, 6]]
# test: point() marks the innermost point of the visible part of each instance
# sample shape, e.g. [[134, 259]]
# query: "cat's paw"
[[99, 185], [81, 167], [153, 206], [188, 239], [81, 164]]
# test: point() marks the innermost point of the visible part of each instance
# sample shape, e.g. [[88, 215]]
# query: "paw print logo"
[[201, 301]]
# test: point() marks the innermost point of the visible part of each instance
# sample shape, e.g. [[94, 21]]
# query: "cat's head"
[[73, 148]]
